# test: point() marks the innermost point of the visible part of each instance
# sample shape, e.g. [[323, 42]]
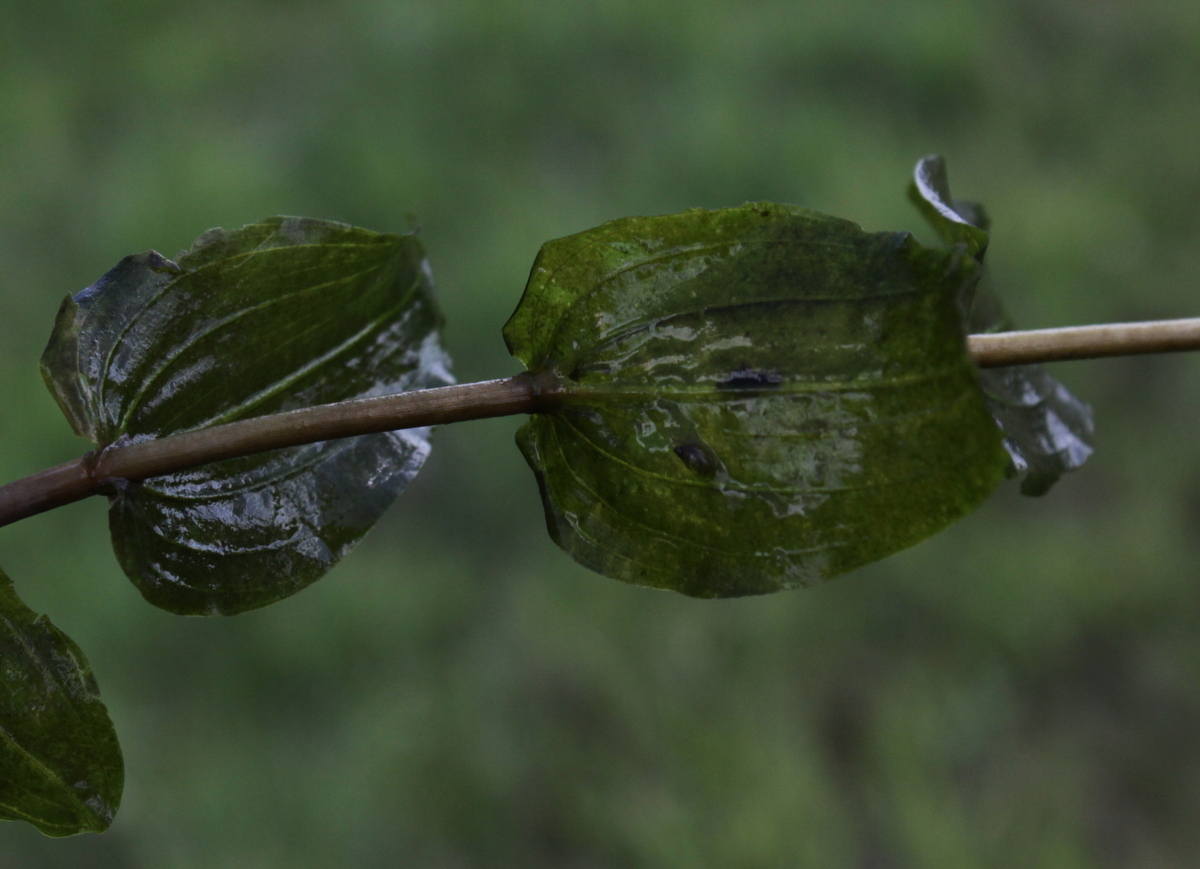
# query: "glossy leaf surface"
[[277, 315], [1048, 431], [750, 399], [957, 221], [60, 764]]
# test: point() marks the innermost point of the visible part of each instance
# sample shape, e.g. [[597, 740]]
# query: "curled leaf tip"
[[956, 221], [1047, 430]]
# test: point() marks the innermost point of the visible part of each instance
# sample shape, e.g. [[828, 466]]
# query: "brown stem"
[[999, 349], [86, 476], [524, 393]]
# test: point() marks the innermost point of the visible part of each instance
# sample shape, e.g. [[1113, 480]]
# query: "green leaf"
[[750, 399], [1048, 431], [60, 763], [957, 221], [277, 315]]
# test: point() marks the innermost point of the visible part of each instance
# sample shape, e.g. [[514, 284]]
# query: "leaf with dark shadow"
[[277, 315]]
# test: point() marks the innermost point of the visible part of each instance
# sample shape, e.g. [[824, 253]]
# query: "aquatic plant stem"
[[96, 473], [1000, 349], [93, 473]]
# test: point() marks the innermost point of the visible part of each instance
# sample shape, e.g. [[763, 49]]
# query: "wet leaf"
[[277, 315], [957, 221], [60, 764], [750, 399], [1048, 431]]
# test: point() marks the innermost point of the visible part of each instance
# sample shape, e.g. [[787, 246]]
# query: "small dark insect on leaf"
[[748, 378], [698, 458]]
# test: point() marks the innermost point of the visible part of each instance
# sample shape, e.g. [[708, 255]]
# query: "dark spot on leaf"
[[582, 369], [816, 426], [749, 378], [698, 457]]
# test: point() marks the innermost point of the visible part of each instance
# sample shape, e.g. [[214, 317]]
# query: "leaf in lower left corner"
[[60, 763]]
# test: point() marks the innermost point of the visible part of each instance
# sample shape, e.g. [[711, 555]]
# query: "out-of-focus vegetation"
[[1022, 690]]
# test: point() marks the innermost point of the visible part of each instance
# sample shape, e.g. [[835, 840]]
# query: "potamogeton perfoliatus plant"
[[721, 403]]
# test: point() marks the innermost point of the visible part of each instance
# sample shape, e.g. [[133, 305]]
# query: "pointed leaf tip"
[[284, 313]]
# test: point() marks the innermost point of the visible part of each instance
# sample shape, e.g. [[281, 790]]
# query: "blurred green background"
[[1022, 690]]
